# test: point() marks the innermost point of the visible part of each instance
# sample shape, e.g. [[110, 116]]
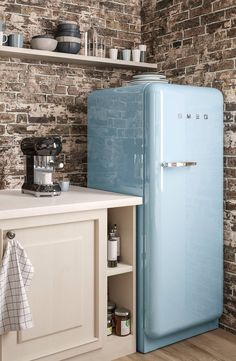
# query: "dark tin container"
[[68, 47], [74, 33]]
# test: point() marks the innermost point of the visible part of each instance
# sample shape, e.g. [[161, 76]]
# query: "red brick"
[[213, 17], [191, 60], [222, 4]]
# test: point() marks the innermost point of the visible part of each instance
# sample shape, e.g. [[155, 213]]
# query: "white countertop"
[[14, 204]]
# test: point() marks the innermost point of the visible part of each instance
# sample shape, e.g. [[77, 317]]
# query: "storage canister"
[[123, 322]]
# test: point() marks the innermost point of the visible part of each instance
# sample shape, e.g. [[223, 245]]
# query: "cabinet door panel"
[[62, 295]]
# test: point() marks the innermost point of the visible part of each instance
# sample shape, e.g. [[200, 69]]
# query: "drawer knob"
[[11, 234]]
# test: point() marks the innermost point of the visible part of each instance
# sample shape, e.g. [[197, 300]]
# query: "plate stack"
[[68, 37], [148, 78]]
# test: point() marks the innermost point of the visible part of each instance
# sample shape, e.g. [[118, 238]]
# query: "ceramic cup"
[[64, 184], [136, 55], [143, 49], [113, 53], [15, 40], [126, 54], [3, 38]]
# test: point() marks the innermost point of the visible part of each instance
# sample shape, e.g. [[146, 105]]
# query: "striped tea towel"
[[16, 273]]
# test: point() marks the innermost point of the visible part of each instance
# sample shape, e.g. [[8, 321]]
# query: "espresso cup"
[[3, 38], [126, 54], [113, 53], [15, 40], [65, 185], [136, 55]]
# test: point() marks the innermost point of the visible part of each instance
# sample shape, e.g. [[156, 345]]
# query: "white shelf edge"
[[41, 55], [121, 268]]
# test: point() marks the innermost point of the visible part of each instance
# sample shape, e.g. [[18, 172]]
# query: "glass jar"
[[123, 322], [91, 41], [100, 49], [109, 325], [94, 44], [111, 311]]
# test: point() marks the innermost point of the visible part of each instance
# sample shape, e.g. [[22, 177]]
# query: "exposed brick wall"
[[194, 42], [50, 99]]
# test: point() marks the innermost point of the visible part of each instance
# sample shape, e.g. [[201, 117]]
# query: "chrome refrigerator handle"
[[178, 164]]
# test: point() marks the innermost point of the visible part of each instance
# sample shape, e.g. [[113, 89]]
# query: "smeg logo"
[[192, 116]]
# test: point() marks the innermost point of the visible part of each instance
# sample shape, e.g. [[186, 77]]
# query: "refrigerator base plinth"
[[151, 345]]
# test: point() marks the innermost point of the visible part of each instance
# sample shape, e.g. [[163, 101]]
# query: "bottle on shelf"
[[111, 306], [109, 325], [116, 231], [112, 250]]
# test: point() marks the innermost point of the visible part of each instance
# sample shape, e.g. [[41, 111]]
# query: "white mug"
[[113, 53], [126, 54], [136, 55], [2, 36]]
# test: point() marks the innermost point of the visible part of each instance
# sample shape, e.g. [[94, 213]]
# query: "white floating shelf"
[[56, 57], [121, 268]]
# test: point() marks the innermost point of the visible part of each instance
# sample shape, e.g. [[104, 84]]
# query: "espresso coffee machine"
[[40, 164]]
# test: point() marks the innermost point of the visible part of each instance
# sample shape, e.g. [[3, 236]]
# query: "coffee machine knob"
[[60, 165]]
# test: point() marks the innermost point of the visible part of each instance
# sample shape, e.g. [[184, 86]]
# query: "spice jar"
[[123, 322], [109, 325], [111, 311]]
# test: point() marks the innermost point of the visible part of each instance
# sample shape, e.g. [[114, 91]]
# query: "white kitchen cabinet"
[[68, 294], [68, 254]]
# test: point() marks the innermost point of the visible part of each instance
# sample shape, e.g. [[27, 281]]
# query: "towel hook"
[[11, 234]]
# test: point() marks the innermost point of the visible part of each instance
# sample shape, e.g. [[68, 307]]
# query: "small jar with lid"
[[109, 325], [123, 322], [111, 311]]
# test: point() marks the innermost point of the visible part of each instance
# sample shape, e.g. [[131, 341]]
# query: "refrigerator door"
[[115, 140], [183, 212]]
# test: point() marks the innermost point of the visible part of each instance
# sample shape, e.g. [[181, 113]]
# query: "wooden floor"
[[217, 345]]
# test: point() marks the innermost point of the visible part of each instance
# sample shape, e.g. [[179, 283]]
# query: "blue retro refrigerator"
[[164, 142]]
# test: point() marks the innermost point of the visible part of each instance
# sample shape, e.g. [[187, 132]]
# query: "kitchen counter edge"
[[14, 204]]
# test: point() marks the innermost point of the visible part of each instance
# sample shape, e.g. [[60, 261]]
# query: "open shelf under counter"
[[120, 345], [121, 268], [114, 338], [56, 57]]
